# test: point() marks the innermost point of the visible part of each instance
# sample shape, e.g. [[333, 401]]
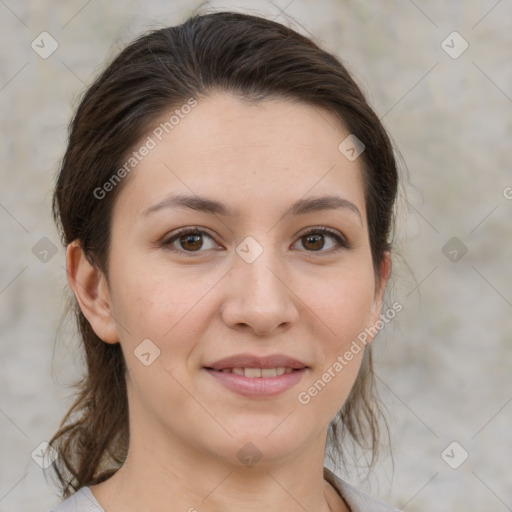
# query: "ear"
[[91, 291], [380, 288]]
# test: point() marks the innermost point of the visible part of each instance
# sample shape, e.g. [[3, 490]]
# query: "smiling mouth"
[[258, 383], [258, 372]]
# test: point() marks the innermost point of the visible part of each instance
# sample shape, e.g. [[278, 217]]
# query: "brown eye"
[[313, 242], [191, 242], [322, 240]]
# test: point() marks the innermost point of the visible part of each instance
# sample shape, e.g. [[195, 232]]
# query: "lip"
[[254, 361], [258, 386]]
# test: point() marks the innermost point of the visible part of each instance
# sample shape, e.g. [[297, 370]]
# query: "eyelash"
[[341, 241]]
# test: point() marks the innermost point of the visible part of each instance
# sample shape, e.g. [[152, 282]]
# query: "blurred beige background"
[[444, 365]]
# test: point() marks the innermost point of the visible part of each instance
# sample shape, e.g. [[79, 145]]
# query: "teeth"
[[258, 372], [252, 372]]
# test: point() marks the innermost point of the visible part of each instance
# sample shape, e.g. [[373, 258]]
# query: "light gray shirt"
[[84, 501]]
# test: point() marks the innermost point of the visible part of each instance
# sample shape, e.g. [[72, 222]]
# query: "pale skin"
[[297, 298]]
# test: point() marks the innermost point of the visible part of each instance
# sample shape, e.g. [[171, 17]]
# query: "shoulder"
[[82, 501], [357, 500]]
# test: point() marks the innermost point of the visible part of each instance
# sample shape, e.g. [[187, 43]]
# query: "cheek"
[[339, 308], [138, 302], [169, 308], [342, 312], [352, 314], [167, 311], [342, 304]]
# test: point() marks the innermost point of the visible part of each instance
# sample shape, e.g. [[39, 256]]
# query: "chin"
[[265, 444]]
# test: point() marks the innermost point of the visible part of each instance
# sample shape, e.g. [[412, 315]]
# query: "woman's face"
[[248, 281]]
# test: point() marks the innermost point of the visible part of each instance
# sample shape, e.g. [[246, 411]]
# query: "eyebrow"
[[208, 205]]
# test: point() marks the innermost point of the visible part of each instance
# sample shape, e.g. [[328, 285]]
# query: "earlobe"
[[385, 272], [90, 288]]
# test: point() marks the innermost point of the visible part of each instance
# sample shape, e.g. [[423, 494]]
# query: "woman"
[[226, 201]]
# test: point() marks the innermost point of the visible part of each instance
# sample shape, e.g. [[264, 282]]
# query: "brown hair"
[[251, 57]]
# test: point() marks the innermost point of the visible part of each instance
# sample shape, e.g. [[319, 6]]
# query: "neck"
[[177, 478]]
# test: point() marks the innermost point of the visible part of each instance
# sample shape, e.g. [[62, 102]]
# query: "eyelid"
[[175, 235], [340, 239]]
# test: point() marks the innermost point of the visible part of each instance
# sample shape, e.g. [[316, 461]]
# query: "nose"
[[257, 297]]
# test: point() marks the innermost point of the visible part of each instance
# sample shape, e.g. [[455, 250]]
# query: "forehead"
[[272, 151]]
